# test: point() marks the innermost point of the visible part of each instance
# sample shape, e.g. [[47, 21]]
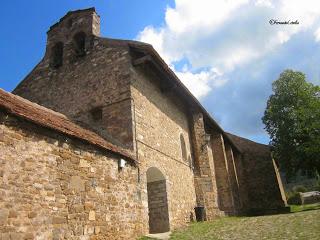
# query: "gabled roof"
[[47, 118], [152, 56], [248, 146]]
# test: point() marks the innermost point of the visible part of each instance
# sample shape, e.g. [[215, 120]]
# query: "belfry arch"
[[157, 201]]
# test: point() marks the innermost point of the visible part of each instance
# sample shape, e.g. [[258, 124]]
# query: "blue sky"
[[226, 52], [24, 25]]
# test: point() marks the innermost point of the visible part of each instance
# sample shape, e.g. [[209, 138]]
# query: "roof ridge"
[[246, 139]]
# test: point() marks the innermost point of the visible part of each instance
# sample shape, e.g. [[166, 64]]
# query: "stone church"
[[102, 141]]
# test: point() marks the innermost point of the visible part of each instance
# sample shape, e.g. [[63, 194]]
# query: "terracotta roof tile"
[[45, 117]]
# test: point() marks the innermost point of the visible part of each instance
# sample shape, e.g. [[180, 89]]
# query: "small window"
[[79, 41], [183, 148], [69, 23], [96, 113], [57, 55]]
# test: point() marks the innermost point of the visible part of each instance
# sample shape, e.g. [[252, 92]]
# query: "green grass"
[[307, 207], [300, 224]]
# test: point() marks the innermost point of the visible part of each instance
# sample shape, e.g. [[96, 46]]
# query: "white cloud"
[[264, 3], [201, 83], [282, 37], [227, 35], [151, 35], [156, 38], [206, 14], [317, 35], [306, 11]]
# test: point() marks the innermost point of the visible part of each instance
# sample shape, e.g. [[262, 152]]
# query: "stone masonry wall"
[[264, 194], [158, 207], [242, 182], [53, 187], [205, 173], [216, 211], [222, 176], [259, 188], [85, 20], [99, 79], [233, 178], [159, 121]]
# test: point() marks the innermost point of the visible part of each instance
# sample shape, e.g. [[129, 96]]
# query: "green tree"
[[292, 119]]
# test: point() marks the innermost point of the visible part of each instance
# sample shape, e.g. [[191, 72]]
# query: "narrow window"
[[96, 113], [79, 41], [57, 55], [69, 23], [183, 148]]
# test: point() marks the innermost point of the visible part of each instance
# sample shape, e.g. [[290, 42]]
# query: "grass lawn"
[[301, 224], [299, 208]]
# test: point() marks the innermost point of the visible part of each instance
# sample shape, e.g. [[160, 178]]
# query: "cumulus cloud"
[[264, 3], [220, 38], [202, 14], [203, 80], [317, 35]]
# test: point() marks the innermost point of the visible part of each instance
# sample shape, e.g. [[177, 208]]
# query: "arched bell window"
[[79, 42], [56, 55]]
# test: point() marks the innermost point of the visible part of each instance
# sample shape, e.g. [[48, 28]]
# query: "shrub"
[[317, 187], [294, 198], [299, 188]]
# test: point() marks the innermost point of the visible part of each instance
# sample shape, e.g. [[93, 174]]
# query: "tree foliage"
[[292, 119]]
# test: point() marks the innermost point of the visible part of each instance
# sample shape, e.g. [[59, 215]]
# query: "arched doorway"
[[157, 201]]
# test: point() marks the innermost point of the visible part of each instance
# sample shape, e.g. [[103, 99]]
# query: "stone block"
[[28, 236], [32, 214], [92, 215], [97, 229], [88, 230], [59, 220], [4, 214], [84, 164], [78, 208], [38, 185], [77, 183], [13, 214], [16, 235]]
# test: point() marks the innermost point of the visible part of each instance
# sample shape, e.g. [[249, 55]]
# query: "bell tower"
[[72, 36], [84, 77]]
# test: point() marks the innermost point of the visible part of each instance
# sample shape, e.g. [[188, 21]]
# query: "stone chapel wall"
[[93, 88], [159, 122], [54, 187]]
